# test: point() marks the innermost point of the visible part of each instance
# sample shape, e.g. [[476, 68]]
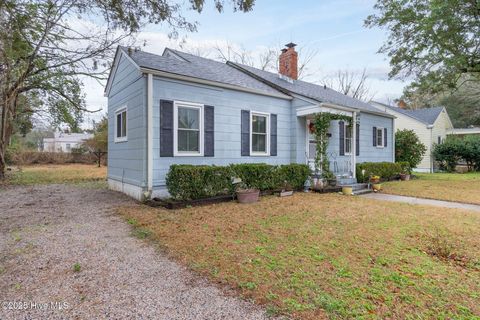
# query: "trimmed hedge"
[[189, 182], [386, 170]]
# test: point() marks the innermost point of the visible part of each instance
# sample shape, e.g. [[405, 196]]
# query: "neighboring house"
[[464, 132], [64, 142], [430, 124], [178, 108]]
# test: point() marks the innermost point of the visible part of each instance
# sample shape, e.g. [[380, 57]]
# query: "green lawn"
[[84, 174], [317, 256], [461, 187]]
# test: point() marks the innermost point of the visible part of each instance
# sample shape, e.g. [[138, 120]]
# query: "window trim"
[[345, 128], [382, 130], [267, 142], [192, 105], [117, 112]]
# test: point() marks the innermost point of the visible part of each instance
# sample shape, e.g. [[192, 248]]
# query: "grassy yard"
[[65, 173], [329, 256], [443, 186]]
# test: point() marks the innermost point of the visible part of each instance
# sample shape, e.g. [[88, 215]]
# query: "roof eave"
[[176, 76]]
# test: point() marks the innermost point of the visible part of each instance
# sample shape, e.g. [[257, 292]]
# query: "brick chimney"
[[402, 104], [288, 62]]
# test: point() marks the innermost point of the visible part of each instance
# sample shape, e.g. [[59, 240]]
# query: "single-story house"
[[178, 108], [432, 125], [64, 142]]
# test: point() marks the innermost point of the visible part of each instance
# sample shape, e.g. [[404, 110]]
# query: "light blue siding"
[[368, 153], [127, 160], [228, 105]]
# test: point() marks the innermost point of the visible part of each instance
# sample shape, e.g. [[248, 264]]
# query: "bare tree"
[[351, 83]]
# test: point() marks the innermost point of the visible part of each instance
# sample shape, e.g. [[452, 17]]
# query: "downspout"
[[353, 142], [393, 139], [431, 147], [149, 134]]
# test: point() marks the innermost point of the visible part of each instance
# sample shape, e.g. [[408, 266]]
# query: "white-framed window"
[[188, 123], [348, 138], [121, 125], [259, 133], [380, 138]]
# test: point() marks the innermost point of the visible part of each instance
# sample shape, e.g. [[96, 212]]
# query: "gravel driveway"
[[46, 230]]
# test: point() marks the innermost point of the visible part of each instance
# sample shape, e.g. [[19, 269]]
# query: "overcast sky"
[[333, 28]]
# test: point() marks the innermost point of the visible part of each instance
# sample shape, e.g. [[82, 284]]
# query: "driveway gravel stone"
[[46, 230]]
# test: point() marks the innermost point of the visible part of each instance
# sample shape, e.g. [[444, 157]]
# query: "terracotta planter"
[[376, 187], [404, 177], [248, 195]]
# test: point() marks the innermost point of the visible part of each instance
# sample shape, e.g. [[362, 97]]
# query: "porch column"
[[354, 143]]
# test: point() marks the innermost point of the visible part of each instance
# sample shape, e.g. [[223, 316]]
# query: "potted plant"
[[331, 178], [376, 185], [406, 171], [404, 176], [374, 179], [246, 194]]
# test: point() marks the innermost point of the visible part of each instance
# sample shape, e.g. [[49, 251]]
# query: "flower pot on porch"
[[404, 177], [248, 195], [347, 191]]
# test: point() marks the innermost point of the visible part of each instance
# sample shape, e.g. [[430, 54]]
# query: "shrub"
[[386, 170], [20, 158], [409, 148], [188, 182], [257, 175], [405, 167], [448, 154], [295, 174]]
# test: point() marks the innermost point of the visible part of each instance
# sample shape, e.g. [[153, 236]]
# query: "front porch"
[[342, 144]]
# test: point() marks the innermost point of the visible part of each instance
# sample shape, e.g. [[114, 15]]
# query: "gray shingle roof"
[[425, 115], [309, 90], [200, 68]]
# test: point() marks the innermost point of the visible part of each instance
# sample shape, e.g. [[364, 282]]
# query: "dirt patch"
[[65, 245]]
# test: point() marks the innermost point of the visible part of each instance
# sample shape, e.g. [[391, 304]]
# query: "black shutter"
[[357, 139], [245, 132], [385, 137], [374, 136], [166, 128], [209, 131], [341, 126], [273, 134]]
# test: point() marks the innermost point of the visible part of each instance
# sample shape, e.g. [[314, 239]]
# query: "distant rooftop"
[[425, 115]]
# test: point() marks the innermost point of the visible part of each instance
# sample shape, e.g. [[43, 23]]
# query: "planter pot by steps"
[[404, 177], [376, 187], [347, 191], [248, 196]]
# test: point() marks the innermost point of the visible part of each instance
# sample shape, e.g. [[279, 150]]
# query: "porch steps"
[[362, 191], [346, 181], [360, 188]]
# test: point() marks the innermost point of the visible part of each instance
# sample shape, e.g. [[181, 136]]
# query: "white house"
[[64, 142], [432, 125]]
